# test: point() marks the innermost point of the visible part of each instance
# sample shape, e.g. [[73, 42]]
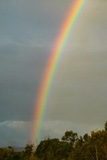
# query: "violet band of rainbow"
[[45, 87]]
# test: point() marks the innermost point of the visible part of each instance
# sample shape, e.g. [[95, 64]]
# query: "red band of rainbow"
[[66, 29]]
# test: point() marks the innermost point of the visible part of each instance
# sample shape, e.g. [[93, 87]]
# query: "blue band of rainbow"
[[41, 101]]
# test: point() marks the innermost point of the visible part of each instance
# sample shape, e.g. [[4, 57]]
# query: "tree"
[[46, 149], [28, 152], [6, 153], [53, 149], [70, 137], [105, 126]]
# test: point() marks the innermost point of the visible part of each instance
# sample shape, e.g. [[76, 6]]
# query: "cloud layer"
[[78, 97]]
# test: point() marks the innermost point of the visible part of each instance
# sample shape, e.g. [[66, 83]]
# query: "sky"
[[28, 30]]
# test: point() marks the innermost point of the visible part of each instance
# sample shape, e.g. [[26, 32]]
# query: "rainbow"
[[41, 102]]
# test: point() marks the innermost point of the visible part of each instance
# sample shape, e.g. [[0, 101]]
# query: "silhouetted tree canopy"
[[70, 147]]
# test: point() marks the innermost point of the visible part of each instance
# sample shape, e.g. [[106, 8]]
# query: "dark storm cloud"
[[20, 74], [17, 129], [81, 81], [28, 30]]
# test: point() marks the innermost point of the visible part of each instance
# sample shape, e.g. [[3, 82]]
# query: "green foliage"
[[70, 137], [10, 154], [70, 147], [52, 149], [105, 126], [6, 153], [27, 154]]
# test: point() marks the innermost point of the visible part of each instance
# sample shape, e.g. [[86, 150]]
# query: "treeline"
[[70, 147]]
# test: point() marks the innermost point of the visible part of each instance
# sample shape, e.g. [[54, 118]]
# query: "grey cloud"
[[14, 133], [78, 97], [57, 128], [80, 89], [80, 86], [21, 72]]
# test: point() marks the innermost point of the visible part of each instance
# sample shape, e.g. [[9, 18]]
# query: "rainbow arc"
[[41, 102]]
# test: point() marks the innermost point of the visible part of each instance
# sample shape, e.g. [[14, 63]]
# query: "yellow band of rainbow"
[[66, 29]]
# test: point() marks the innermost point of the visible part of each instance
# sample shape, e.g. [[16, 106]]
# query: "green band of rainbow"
[[56, 53]]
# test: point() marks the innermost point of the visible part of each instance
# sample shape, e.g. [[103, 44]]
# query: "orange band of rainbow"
[[66, 29]]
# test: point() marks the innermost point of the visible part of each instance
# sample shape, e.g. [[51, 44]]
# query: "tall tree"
[[105, 126], [70, 137]]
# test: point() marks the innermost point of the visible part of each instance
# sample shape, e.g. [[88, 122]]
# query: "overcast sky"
[[28, 30]]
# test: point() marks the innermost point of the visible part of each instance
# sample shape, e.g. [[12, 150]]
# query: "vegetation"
[[70, 147]]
